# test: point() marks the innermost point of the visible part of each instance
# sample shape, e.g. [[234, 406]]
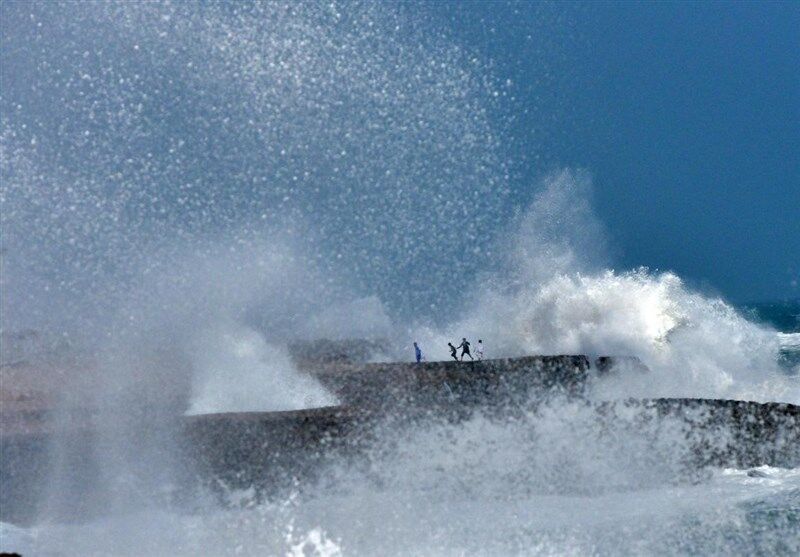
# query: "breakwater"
[[270, 451], [265, 450], [429, 384]]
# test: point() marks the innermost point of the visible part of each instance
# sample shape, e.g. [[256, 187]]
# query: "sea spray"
[[237, 371], [188, 186], [352, 129], [552, 293], [549, 481]]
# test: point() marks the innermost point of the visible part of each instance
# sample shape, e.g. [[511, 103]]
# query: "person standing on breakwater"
[[417, 352], [479, 350], [464, 346], [453, 351]]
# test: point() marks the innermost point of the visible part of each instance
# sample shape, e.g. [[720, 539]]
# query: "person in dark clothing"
[[417, 352], [453, 351], [464, 346]]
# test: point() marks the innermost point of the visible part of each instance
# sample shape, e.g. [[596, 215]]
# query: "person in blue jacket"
[[417, 352]]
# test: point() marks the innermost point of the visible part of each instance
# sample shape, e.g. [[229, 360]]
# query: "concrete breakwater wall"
[[244, 450], [275, 452], [730, 433], [497, 381], [270, 451]]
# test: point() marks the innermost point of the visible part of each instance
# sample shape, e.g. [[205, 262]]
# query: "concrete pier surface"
[[380, 385]]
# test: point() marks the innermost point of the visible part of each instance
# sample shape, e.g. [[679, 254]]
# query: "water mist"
[[189, 187]]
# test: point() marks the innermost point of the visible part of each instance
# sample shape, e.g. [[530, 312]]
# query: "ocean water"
[[784, 316], [219, 180]]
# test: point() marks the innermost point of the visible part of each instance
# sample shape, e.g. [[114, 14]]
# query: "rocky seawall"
[[430, 384], [270, 451]]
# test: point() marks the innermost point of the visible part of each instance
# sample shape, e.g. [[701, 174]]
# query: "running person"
[[453, 351], [464, 346], [479, 350]]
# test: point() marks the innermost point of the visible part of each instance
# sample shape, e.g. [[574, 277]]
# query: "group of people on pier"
[[464, 347]]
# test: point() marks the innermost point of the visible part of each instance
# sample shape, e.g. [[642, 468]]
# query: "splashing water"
[[554, 297], [186, 187], [346, 128], [237, 371], [484, 487]]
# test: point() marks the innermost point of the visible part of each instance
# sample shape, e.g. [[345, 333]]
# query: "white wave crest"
[[695, 345]]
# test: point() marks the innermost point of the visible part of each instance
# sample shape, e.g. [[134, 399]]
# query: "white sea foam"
[[553, 296], [236, 370], [372, 155], [789, 340]]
